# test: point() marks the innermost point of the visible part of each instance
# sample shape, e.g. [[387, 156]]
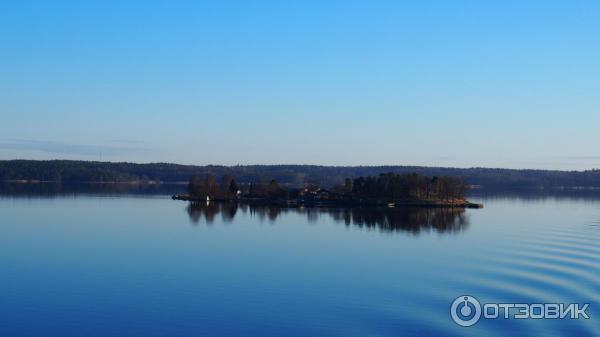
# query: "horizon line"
[[288, 164]]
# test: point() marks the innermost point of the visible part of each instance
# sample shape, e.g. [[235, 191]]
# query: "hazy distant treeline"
[[292, 175]]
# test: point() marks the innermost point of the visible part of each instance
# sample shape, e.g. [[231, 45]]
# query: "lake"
[[112, 261]]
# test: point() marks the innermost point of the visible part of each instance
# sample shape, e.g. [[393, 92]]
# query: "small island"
[[389, 190]]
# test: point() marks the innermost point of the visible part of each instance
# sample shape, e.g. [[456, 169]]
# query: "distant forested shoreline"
[[289, 175]]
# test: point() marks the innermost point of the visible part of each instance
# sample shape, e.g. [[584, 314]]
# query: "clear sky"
[[441, 83]]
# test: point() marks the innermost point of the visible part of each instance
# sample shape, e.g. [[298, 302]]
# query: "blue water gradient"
[[149, 266]]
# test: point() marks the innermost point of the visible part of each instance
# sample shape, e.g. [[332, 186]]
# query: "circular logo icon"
[[465, 310]]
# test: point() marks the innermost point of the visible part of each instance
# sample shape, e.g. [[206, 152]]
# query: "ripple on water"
[[553, 265]]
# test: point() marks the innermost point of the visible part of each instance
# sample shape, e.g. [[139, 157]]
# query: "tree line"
[[289, 175], [385, 187], [413, 186], [208, 186]]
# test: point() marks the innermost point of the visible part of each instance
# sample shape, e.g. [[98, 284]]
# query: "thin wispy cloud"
[[590, 157], [126, 141], [444, 158], [67, 148]]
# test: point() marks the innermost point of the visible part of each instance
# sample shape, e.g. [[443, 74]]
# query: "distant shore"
[[289, 175], [129, 182]]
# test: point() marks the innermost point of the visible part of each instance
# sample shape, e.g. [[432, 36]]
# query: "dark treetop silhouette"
[[386, 189], [289, 175]]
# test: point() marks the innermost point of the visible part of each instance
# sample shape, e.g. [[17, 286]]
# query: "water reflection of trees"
[[399, 219], [409, 219]]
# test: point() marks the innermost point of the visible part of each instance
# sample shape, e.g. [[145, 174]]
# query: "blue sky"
[[439, 83]]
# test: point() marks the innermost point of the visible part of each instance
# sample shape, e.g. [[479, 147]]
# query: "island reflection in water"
[[412, 220]]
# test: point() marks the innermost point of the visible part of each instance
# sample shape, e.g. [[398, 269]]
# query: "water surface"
[[98, 264]]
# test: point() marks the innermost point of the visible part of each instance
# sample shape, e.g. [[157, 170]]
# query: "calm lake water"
[[116, 263]]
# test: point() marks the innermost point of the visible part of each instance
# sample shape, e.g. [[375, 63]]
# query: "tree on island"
[[394, 187], [275, 190], [202, 188], [387, 187]]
